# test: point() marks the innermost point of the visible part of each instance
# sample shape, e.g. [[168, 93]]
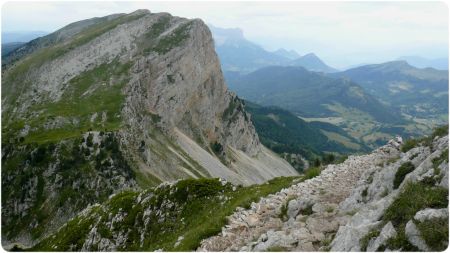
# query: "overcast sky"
[[341, 33]]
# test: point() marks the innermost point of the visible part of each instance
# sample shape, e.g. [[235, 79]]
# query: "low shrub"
[[399, 242], [440, 131], [426, 141], [435, 233], [415, 197], [402, 171], [410, 144], [307, 211], [312, 172]]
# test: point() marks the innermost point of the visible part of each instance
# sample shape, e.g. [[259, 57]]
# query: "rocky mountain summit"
[[386, 200], [126, 101]]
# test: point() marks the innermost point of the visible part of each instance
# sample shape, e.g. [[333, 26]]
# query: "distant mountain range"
[[421, 62], [307, 93], [291, 54], [21, 36], [371, 103], [417, 92], [313, 63], [238, 54]]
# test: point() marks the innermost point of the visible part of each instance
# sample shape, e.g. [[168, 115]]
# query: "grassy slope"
[[27, 160], [194, 209], [64, 172], [17, 74]]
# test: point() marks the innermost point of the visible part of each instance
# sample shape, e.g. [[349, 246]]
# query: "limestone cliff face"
[[174, 84], [184, 89]]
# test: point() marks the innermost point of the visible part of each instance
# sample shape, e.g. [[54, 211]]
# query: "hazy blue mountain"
[[238, 54], [291, 54], [313, 63], [421, 62], [8, 47], [21, 36], [352, 66], [417, 92]]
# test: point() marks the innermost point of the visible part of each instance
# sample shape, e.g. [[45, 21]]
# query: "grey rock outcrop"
[[429, 213], [413, 235], [337, 209], [312, 209], [386, 233], [372, 197]]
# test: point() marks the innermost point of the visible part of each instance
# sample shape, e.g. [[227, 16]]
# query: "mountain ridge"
[[130, 100], [421, 62], [291, 54], [313, 63], [237, 54], [403, 86], [273, 79]]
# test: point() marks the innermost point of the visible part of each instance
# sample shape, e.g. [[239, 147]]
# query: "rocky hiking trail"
[[303, 217]]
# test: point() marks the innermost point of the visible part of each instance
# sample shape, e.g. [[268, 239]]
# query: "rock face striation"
[[362, 204], [144, 87]]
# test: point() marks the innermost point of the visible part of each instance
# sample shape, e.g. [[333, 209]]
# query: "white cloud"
[[343, 33]]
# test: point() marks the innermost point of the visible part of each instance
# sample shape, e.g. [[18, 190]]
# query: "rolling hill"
[[307, 94], [417, 93], [320, 97]]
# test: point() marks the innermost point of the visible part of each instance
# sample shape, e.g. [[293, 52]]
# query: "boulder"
[[321, 225], [296, 205], [413, 235], [274, 238], [252, 220], [307, 246], [429, 213], [387, 232]]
